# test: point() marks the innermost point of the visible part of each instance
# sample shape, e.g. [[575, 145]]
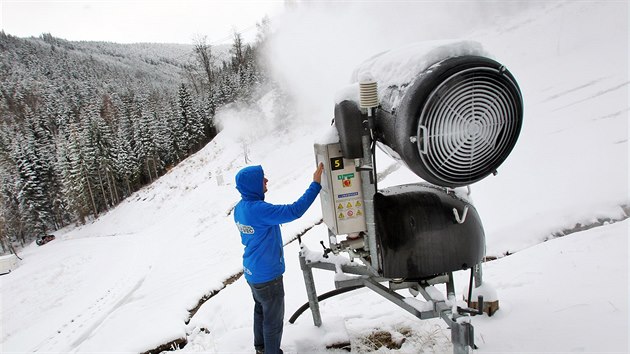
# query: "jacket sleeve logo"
[[246, 229]]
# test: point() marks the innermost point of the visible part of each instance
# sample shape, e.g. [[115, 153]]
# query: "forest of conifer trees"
[[85, 124]]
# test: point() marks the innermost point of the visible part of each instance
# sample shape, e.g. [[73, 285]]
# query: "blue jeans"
[[268, 315]]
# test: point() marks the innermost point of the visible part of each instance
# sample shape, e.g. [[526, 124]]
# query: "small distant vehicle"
[[44, 239]]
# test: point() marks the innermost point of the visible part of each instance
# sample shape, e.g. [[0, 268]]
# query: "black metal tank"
[[418, 233]]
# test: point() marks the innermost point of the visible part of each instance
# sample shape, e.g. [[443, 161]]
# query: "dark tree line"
[[85, 124]]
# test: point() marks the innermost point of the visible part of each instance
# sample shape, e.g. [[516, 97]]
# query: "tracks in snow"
[[82, 326]]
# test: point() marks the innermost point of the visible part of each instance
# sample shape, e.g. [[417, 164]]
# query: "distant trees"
[[203, 54], [84, 125]]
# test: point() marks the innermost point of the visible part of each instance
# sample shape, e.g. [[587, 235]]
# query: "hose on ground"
[[321, 298]]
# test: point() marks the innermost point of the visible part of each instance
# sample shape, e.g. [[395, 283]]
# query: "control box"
[[341, 196]]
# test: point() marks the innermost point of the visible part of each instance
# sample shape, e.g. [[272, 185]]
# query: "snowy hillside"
[[131, 281]]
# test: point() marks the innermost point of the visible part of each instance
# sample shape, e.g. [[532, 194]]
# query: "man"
[[263, 259]]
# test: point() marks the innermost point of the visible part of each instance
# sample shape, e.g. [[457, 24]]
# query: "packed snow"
[[128, 281]]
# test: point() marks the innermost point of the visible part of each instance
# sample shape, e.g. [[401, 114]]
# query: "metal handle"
[[423, 134], [463, 218]]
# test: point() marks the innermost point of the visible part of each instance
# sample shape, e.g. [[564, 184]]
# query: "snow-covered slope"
[[126, 282]]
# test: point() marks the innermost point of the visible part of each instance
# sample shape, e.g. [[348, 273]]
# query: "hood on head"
[[249, 182]]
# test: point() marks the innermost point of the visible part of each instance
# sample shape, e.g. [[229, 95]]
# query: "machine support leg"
[[478, 275], [450, 287], [311, 293], [368, 179], [462, 337]]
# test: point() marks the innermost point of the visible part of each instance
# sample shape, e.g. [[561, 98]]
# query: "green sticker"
[[346, 176]]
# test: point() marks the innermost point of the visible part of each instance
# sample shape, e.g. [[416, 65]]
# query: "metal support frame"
[[462, 332], [311, 292]]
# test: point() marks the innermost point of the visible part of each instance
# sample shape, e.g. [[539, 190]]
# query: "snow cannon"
[[452, 116]]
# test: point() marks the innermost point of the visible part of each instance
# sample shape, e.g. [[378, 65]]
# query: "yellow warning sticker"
[[349, 205], [340, 206]]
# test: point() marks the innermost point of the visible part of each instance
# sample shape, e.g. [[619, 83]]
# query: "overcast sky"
[[132, 21]]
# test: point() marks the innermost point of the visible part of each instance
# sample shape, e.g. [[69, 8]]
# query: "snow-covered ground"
[[126, 282]]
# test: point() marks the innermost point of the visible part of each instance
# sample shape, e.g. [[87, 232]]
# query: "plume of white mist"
[[242, 122], [317, 45]]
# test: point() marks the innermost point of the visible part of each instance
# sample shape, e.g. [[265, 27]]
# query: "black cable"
[[371, 127], [321, 298], [374, 165]]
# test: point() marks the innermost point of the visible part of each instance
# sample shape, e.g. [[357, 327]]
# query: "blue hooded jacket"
[[259, 225]]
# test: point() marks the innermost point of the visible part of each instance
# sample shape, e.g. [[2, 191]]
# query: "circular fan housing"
[[456, 123]]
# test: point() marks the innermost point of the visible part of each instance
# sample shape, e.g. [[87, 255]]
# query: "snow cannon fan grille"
[[457, 123], [469, 123]]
